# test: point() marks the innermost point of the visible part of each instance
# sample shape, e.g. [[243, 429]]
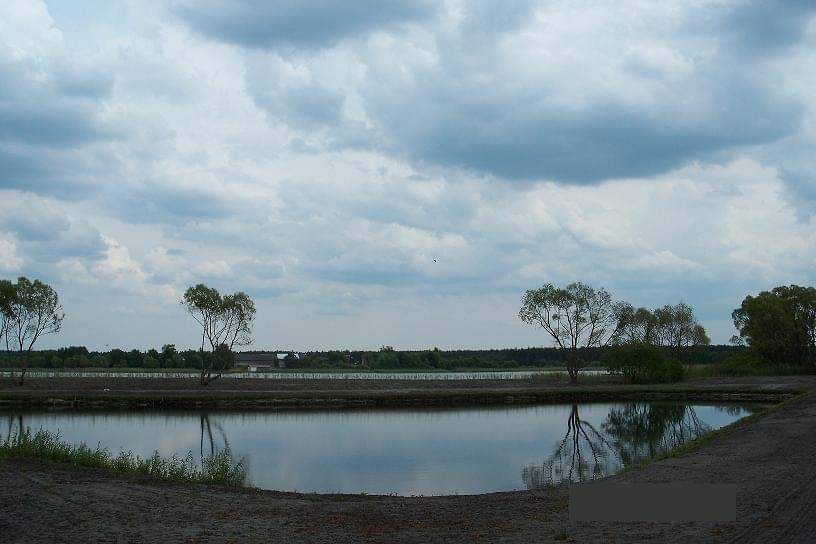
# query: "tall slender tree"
[[35, 311], [226, 321], [7, 295]]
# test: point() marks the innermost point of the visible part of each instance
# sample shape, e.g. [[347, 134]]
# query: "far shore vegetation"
[[589, 329], [218, 468]]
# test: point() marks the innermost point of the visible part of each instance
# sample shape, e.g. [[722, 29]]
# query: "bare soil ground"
[[770, 458]]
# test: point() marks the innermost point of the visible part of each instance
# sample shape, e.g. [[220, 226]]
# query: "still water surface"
[[407, 452]]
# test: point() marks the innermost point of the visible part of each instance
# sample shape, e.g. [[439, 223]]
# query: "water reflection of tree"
[[207, 433], [643, 431], [627, 436], [10, 422], [582, 454]]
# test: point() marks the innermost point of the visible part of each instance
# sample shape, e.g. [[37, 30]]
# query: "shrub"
[[642, 363]]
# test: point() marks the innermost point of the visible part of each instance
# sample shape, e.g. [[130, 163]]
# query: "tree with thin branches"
[[34, 310], [576, 316], [7, 295], [225, 321]]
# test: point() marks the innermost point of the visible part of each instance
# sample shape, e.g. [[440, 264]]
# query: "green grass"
[[583, 379], [305, 370], [725, 370], [219, 468]]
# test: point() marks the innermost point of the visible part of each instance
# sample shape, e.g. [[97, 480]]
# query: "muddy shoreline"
[[769, 457]]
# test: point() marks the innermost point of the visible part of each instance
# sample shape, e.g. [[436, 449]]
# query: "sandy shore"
[[770, 458]]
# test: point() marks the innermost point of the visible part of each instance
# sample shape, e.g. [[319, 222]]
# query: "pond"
[[404, 452]]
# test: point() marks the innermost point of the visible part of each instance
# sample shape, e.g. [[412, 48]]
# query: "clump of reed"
[[219, 468]]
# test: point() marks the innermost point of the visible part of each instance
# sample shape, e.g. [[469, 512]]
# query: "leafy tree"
[[34, 310], [780, 325], [135, 359], [151, 362], [577, 316], [224, 320], [642, 363], [170, 358], [671, 327], [676, 328], [637, 326]]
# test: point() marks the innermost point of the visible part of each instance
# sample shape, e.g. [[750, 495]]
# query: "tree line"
[[778, 327], [586, 325]]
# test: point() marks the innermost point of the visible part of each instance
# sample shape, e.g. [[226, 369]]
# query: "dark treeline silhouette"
[[79, 357]]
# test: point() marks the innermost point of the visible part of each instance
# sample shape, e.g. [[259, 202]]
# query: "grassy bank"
[[348, 400], [219, 468], [726, 370], [307, 370]]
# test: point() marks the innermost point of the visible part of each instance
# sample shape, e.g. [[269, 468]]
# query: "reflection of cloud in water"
[[401, 451]]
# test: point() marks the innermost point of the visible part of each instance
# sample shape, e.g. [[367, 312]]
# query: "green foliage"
[[780, 326], [670, 327], [747, 364], [742, 364], [224, 319], [642, 363], [575, 316], [30, 309], [219, 468]]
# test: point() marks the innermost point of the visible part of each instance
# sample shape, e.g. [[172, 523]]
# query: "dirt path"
[[769, 458]]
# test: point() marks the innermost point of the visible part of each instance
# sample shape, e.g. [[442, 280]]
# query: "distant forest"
[[78, 357]]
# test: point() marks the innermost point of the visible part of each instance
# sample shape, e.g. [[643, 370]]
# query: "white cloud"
[[10, 261], [376, 174]]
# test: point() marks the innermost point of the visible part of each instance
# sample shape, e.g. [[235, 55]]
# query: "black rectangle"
[[601, 501]]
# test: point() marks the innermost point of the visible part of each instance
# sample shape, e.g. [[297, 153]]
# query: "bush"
[[641, 363], [750, 364]]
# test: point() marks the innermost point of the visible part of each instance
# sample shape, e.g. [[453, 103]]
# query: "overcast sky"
[[400, 171]]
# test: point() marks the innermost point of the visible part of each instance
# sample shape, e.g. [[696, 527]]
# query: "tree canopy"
[[576, 316], [30, 309], [226, 321], [672, 327], [780, 325]]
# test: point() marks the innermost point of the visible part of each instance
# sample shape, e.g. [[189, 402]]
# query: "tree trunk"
[[573, 365], [23, 368]]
